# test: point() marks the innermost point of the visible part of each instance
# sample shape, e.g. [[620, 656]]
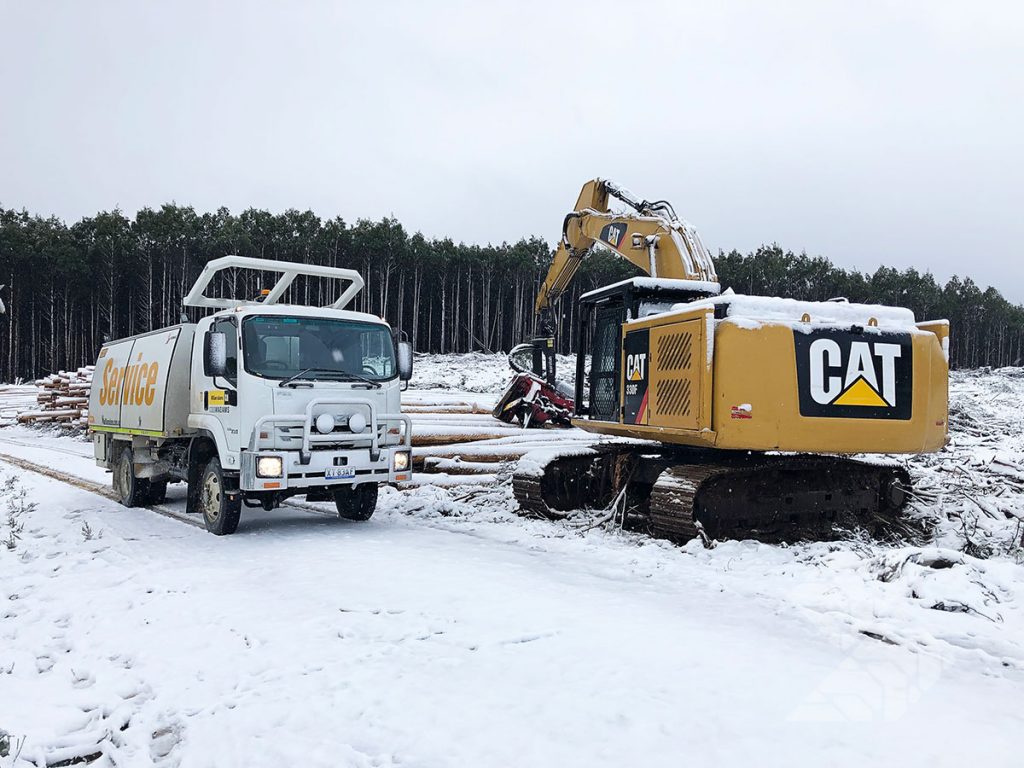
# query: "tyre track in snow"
[[104, 490], [51, 448], [88, 485]]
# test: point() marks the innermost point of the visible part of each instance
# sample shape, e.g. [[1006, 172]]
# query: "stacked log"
[[63, 399]]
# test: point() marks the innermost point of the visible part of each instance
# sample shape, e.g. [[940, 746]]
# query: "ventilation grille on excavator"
[[675, 351], [672, 393]]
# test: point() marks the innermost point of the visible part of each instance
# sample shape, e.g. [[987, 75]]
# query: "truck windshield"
[[279, 347]]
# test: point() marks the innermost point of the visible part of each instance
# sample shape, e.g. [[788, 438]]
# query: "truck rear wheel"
[[131, 491], [221, 510], [356, 502]]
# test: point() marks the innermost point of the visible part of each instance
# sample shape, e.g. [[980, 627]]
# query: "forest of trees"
[[69, 286]]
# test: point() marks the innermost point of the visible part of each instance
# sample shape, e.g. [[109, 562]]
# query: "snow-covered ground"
[[447, 631], [475, 372]]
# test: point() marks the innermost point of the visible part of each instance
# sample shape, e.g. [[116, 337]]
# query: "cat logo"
[[636, 367], [613, 234], [855, 375], [636, 347]]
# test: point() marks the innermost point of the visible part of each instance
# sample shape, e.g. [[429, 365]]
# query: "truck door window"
[[228, 328]]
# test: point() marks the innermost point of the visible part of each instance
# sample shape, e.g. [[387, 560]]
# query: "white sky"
[[870, 132]]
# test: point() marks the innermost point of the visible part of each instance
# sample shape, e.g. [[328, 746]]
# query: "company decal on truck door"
[[636, 348], [867, 375]]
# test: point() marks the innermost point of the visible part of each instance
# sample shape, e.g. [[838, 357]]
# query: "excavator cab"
[[603, 313]]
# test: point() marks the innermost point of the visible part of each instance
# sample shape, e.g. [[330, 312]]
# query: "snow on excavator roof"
[[655, 284]]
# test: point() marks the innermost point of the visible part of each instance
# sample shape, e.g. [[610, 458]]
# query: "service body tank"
[[141, 384]]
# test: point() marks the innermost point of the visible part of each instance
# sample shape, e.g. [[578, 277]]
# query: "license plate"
[[339, 473]]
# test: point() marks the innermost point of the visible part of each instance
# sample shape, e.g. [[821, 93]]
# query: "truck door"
[[220, 400]]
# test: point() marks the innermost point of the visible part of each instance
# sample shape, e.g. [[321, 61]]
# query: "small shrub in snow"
[[15, 496]]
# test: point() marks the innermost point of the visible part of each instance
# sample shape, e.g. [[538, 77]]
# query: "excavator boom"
[[651, 237]]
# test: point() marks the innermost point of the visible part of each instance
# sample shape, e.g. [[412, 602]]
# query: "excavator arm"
[[651, 236], [648, 234]]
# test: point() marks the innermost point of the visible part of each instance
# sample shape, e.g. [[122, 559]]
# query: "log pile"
[[63, 399]]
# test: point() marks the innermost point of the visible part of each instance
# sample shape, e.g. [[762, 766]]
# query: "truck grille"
[[289, 437]]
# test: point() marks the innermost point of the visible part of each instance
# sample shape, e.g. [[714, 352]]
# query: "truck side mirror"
[[404, 360], [215, 354]]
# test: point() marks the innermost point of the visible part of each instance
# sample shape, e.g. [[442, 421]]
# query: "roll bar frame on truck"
[[256, 402]]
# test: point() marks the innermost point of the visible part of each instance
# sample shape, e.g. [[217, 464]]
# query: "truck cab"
[[257, 402]]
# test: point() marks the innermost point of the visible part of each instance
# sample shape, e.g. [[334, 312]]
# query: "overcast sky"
[[869, 132]]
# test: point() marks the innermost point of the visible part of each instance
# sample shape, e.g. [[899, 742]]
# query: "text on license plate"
[[338, 473]]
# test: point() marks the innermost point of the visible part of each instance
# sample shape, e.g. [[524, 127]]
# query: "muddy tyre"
[[131, 491], [221, 507], [356, 502]]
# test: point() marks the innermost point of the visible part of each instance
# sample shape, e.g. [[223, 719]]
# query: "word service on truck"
[[256, 402]]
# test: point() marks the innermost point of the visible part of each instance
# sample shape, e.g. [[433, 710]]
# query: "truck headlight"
[[269, 466], [400, 461]]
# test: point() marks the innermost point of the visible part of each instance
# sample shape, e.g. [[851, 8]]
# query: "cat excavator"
[[728, 416]]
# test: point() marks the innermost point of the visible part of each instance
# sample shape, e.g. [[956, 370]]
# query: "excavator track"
[[684, 495], [670, 507], [777, 499], [569, 482]]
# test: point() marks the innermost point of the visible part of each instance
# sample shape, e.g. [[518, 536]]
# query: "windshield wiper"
[[299, 375], [356, 377], [340, 375]]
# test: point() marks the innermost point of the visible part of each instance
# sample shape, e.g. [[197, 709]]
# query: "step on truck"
[[257, 402]]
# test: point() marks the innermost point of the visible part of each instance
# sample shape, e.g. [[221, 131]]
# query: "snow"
[[772, 309], [474, 372], [533, 463], [709, 340], [660, 283], [456, 634], [15, 399], [448, 631], [972, 493]]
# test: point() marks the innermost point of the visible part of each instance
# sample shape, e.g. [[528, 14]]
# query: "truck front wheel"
[[221, 509], [356, 502], [131, 491]]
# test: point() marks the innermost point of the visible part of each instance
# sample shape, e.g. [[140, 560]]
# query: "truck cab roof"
[[298, 310]]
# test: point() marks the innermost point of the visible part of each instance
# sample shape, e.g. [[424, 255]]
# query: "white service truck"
[[256, 402]]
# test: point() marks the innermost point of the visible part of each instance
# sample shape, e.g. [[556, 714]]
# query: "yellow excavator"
[[748, 407]]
